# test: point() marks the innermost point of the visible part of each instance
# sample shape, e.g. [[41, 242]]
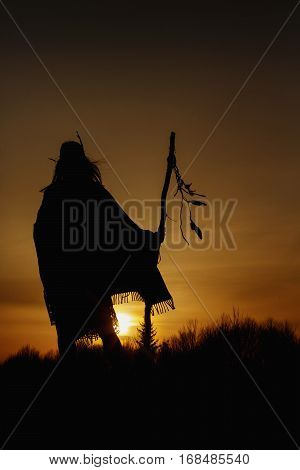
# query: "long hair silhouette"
[[74, 165]]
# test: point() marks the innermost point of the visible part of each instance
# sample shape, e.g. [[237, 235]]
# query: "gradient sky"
[[133, 71]]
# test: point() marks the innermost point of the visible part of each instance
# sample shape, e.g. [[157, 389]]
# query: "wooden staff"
[[171, 164], [147, 331]]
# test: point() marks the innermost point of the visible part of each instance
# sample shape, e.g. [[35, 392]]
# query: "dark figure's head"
[[73, 166]]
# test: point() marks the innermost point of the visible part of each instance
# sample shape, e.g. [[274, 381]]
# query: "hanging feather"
[[198, 203], [187, 194], [196, 229]]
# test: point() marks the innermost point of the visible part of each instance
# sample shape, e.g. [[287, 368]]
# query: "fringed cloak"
[[116, 260]]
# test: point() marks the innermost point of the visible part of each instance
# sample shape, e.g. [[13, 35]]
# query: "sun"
[[125, 322]]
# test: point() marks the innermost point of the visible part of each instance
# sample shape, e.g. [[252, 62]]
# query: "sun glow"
[[125, 322]]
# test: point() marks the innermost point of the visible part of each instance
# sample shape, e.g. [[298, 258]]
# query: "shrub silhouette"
[[192, 392], [146, 339]]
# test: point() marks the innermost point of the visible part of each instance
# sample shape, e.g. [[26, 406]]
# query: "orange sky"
[[133, 74]]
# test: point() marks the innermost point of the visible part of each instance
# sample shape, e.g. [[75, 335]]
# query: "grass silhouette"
[[191, 393]]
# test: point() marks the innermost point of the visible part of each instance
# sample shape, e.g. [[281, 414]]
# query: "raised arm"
[[171, 163]]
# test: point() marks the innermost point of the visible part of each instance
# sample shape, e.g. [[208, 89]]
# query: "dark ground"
[[192, 393]]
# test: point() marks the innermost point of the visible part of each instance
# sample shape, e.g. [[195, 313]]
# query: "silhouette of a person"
[[92, 255]]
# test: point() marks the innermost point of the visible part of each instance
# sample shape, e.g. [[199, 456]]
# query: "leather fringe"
[[125, 297], [159, 307]]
